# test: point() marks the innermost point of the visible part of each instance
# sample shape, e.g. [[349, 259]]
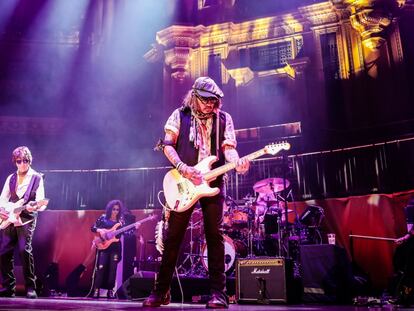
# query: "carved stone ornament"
[[371, 17]]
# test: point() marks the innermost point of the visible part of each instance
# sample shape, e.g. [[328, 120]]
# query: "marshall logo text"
[[260, 271]]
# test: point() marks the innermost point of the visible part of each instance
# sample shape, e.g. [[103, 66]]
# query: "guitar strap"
[[33, 185], [30, 193], [12, 186], [217, 132]]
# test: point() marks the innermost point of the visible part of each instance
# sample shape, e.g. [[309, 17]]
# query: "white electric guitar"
[[10, 214], [180, 193]]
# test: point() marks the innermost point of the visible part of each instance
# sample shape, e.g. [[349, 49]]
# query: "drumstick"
[[372, 237]]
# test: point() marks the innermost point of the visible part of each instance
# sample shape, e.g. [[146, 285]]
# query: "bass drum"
[[232, 249]]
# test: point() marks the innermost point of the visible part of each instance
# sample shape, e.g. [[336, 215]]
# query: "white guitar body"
[[13, 210], [180, 193], [13, 219]]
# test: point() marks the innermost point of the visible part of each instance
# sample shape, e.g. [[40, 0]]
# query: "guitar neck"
[[128, 227], [19, 209], [231, 165]]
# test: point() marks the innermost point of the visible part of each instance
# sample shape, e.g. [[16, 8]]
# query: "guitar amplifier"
[[263, 280]]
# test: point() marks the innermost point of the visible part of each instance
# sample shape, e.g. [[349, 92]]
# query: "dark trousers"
[[20, 237], [212, 208], [404, 258], [106, 266]]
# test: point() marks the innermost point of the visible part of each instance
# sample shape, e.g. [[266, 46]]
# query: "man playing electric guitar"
[[25, 185], [194, 132]]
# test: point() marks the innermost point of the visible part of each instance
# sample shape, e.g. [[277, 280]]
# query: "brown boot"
[[217, 301], [157, 299]]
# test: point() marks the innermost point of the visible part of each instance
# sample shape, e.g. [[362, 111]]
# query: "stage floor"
[[87, 304]]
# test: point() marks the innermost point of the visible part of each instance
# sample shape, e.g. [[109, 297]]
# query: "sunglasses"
[[24, 161], [207, 100]]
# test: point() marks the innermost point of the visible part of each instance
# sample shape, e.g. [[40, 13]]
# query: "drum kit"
[[254, 226]]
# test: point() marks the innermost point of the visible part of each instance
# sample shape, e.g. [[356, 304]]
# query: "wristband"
[[180, 167]]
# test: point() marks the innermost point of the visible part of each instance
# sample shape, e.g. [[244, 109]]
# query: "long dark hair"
[[110, 206]]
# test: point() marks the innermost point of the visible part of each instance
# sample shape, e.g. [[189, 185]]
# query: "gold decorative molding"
[[357, 23], [242, 76], [320, 13], [371, 17], [187, 36], [186, 48], [296, 67], [370, 24], [178, 59]]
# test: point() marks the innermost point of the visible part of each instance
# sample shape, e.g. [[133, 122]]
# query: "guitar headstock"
[[274, 148]]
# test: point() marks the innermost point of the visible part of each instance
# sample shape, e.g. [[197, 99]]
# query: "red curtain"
[[377, 215], [64, 237]]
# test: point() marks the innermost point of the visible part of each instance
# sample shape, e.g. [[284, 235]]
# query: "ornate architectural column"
[[371, 17], [175, 47]]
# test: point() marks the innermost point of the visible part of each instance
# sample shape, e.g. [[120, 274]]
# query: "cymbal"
[[266, 203], [273, 209], [278, 209], [270, 185]]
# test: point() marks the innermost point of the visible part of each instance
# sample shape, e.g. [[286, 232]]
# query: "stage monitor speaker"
[[137, 286], [263, 280], [327, 274]]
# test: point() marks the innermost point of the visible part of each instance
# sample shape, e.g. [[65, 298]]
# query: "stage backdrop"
[[64, 237]]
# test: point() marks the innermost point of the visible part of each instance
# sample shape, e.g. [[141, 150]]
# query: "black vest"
[[29, 195], [185, 148]]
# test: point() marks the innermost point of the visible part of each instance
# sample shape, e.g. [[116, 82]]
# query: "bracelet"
[[179, 164]]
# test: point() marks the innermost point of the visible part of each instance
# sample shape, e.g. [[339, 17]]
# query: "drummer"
[[266, 203]]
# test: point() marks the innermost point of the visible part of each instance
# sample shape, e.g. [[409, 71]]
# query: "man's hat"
[[206, 87]]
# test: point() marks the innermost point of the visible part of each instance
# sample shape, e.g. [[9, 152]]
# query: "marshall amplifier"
[[263, 280]]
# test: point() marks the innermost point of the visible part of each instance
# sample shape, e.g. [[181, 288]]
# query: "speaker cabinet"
[[327, 274], [263, 280]]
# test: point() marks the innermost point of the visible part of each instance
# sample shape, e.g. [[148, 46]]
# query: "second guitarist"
[[107, 259]]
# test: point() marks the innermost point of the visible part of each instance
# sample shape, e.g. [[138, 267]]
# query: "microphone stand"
[[279, 220], [285, 201], [262, 292]]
